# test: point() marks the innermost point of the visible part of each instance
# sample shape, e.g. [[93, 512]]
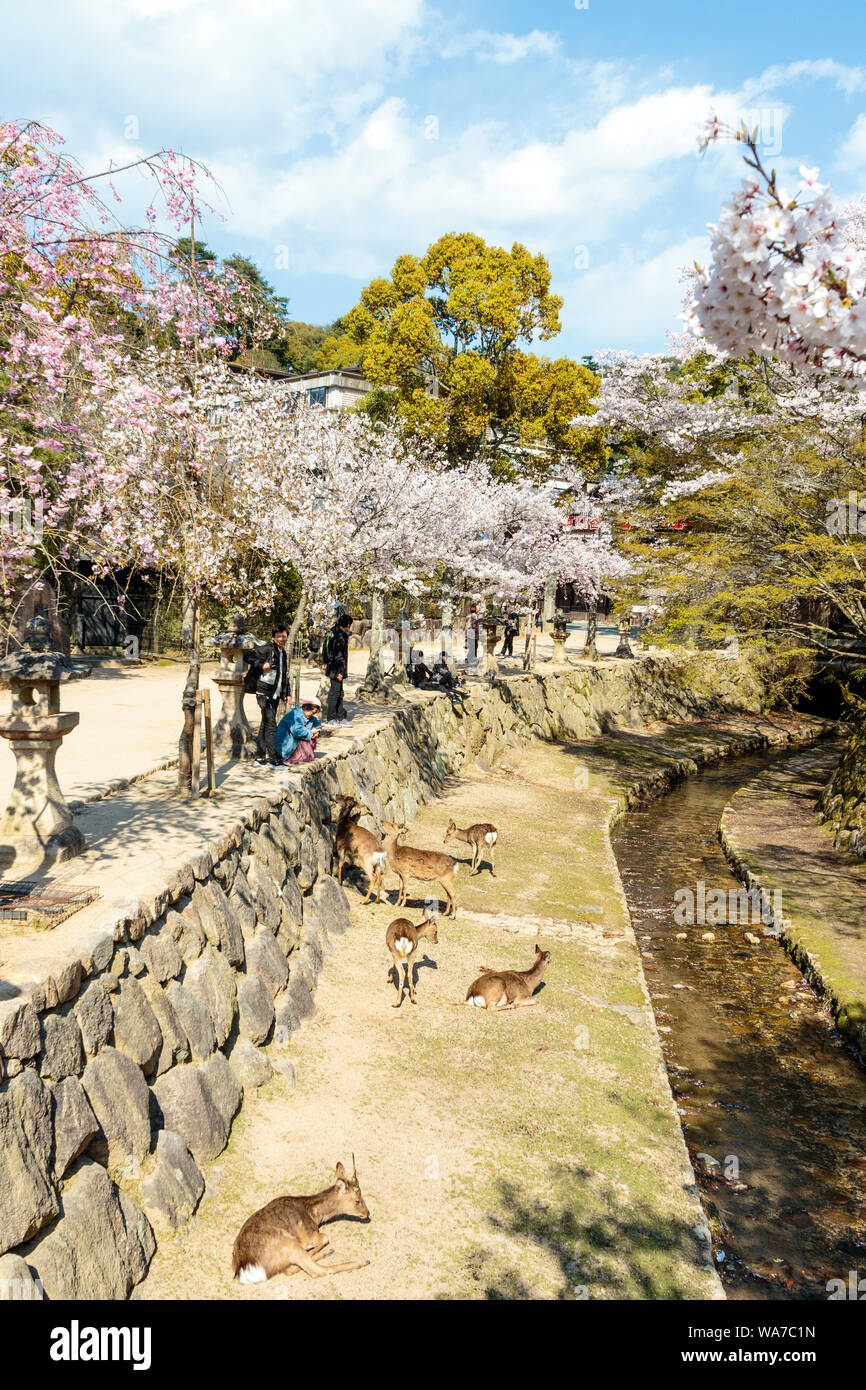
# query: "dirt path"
[[533, 1154], [771, 830]]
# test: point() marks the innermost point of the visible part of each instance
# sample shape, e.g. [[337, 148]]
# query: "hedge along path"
[[531, 1154]]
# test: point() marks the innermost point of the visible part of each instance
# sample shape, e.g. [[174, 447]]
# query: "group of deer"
[[284, 1236], [363, 848], [374, 856]]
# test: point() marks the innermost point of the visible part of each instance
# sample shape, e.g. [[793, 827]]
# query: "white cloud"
[[631, 298], [847, 79], [852, 155], [387, 185], [503, 48]]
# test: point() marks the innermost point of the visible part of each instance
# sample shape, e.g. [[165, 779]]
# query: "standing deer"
[[423, 864], [476, 835], [358, 845], [284, 1236], [508, 989], [402, 939]]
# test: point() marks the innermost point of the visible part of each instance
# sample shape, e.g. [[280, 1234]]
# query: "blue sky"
[[345, 132]]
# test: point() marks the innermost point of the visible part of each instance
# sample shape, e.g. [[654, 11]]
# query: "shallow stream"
[[772, 1103]]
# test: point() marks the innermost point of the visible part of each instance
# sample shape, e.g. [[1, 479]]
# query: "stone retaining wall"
[[122, 1068], [843, 803]]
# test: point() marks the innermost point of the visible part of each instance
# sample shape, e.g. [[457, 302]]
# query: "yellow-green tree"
[[441, 342]]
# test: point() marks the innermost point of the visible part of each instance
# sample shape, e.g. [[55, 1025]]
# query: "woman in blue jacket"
[[297, 732]]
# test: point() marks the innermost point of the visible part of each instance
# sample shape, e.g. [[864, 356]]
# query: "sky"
[[344, 133]]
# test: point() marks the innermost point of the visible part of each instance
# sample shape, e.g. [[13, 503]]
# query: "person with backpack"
[[336, 657], [512, 627], [268, 677]]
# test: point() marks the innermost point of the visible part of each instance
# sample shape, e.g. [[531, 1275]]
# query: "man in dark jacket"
[[268, 676], [512, 627], [336, 665]]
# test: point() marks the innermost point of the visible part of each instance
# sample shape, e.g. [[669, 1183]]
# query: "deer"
[[423, 864], [358, 845], [284, 1236], [402, 939], [508, 989], [476, 835]]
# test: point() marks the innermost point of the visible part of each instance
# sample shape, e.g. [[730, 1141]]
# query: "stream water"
[[771, 1101]]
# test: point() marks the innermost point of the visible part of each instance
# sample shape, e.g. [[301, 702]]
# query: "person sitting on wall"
[[297, 732], [418, 672], [442, 674]]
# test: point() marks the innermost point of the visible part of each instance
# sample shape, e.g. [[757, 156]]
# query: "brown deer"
[[423, 864], [482, 834], [402, 939], [359, 846], [508, 989], [284, 1236]]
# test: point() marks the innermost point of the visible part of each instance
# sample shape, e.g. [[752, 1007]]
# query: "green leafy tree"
[[442, 342]]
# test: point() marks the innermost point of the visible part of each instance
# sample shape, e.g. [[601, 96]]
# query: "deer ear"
[[341, 1173]]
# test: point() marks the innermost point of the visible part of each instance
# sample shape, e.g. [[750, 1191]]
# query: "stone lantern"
[[560, 633], [232, 733], [37, 826], [624, 650]]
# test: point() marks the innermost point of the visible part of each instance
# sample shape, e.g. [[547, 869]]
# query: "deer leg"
[[474, 867], [398, 980], [319, 1270], [493, 860], [452, 902], [296, 1258], [410, 970], [340, 860], [401, 896], [379, 888]]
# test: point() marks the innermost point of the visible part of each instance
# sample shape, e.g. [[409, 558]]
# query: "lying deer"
[[402, 939], [476, 835], [508, 989], [359, 846], [284, 1236], [423, 864]]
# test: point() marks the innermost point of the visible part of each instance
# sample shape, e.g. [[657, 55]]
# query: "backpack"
[[328, 647]]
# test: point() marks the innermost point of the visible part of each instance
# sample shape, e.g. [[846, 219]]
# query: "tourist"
[[336, 655], [268, 676], [442, 675], [512, 627], [297, 732], [418, 672], [472, 621]]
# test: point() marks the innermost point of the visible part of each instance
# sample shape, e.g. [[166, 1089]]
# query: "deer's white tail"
[[251, 1274], [456, 866], [491, 837], [379, 859]]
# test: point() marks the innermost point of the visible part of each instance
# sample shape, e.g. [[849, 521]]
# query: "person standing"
[[336, 666], [472, 622], [512, 627], [268, 676]]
